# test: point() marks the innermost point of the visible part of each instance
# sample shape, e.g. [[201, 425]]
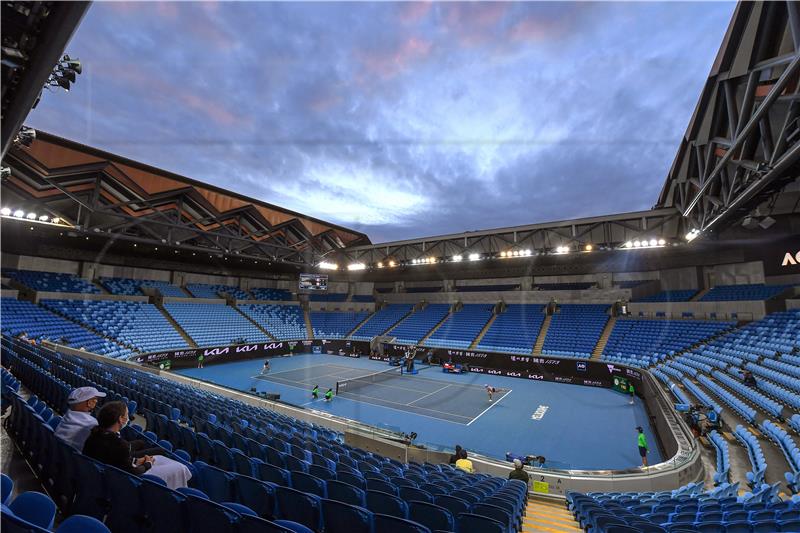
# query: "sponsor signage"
[[791, 259]]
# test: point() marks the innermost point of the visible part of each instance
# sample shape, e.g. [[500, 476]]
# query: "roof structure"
[[101, 194]]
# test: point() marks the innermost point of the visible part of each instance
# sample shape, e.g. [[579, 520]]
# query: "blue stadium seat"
[[340, 517]]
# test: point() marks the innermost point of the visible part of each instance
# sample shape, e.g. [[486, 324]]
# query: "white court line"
[[493, 404], [429, 394]]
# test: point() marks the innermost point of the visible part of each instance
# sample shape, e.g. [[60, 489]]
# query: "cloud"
[[402, 120]]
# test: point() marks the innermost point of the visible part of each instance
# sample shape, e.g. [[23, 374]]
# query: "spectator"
[[519, 472], [455, 456], [76, 425], [135, 457], [463, 463]]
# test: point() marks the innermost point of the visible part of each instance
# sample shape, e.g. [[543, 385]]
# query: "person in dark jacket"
[[519, 472], [456, 455], [107, 446]]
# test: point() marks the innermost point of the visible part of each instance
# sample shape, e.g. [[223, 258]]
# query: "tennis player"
[[329, 395], [490, 391], [265, 368], [315, 392]]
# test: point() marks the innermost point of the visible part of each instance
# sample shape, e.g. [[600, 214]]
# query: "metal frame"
[[742, 146]]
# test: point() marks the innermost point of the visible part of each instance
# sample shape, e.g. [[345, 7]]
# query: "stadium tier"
[[136, 324], [726, 293], [669, 296], [629, 284], [646, 342], [132, 287], [415, 327], [575, 330], [52, 281], [202, 290], [38, 323], [381, 321], [564, 286], [269, 294], [329, 297], [285, 322], [214, 324], [486, 288], [461, 327], [435, 288], [272, 468], [365, 298], [335, 324], [514, 330]]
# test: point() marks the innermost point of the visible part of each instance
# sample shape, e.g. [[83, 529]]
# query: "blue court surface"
[[572, 426]]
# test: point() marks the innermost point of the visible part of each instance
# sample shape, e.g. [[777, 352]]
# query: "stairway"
[[390, 328], [601, 343], [537, 347], [309, 328], [99, 285], [696, 297], [550, 516], [177, 326], [360, 324], [437, 326], [483, 332], [256, 324]]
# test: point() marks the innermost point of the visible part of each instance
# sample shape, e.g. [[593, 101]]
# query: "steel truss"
[[742, 146]]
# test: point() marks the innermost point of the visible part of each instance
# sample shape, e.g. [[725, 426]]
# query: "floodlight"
[[391, 263], [474, 257], [5, 211], [636, 244], [588, 247], [56, 220], [31, 216], [502, 254], [628, 244], [661, 242], [516, 253], [653, 242], [43, 218], [356, 266], [527, 252], [327, 266], [457, 258], [431, 259], [380, 265]]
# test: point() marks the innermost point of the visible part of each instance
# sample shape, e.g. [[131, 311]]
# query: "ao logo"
[[788, 259]]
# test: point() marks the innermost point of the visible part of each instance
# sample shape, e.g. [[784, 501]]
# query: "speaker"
[[766, 222]]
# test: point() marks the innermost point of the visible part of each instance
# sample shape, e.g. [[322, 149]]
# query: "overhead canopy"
[[101, 193]]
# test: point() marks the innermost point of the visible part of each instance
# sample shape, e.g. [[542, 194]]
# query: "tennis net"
[[349, 385]]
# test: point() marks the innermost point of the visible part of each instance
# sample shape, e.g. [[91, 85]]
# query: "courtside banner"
[[534, 367], [237, 352]]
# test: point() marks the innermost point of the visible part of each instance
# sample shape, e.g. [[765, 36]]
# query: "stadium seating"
[[381, 321], [198, 508], [52, 281], [328, 297], [629, 284], [335, 324], [723, 457], [137, 324], [203, 290], [461, 327], [365, 298], [669, 296], [759, 464], [39, 323], [432, 288], [270, 294], [415, 327], [646, 342], [284, 322], [132, 287], [514, 330], [214, 324], [725, 293], [575, 330]]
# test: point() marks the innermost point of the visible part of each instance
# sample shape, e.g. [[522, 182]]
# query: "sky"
[[400, 120]]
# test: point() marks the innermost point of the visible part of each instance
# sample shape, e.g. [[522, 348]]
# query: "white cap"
[[517, 463], [81, 394]]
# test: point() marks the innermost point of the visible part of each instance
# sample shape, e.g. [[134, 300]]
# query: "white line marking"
[[493, 404], [429, 394]]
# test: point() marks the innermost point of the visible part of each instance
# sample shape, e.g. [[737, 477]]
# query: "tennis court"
[[434, 398]]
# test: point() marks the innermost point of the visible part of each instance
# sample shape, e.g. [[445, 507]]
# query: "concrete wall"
[[676, 279], [109, 271], [190, 277], [487, 281], [588, 296], [793, 303], [40, 264], [751, 310], [734, 274]]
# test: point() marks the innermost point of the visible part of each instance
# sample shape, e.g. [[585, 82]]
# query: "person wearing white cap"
[[76, 425], [518, 472]]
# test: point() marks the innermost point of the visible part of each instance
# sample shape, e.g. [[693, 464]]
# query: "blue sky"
[[401, 120]]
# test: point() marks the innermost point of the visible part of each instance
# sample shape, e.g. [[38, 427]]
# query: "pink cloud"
[[475, 22], [413, 12], [390, 63], [167, 9]]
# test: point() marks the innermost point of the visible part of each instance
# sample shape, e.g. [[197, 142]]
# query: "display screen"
[[313, 282]]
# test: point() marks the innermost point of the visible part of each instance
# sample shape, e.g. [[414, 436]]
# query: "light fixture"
[[31, 216], [653, 242], [502, 254], [662, 242], [588, 247], [380, 265], [392, 263], [562, 249], [19, 213], [56, 220], [692, 235], [527, 252], [474, 257], [326, 266], [356, 266], [43, 218], [515, 253], [457, 258], [5, 211], [628, 244], [637, 244]]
